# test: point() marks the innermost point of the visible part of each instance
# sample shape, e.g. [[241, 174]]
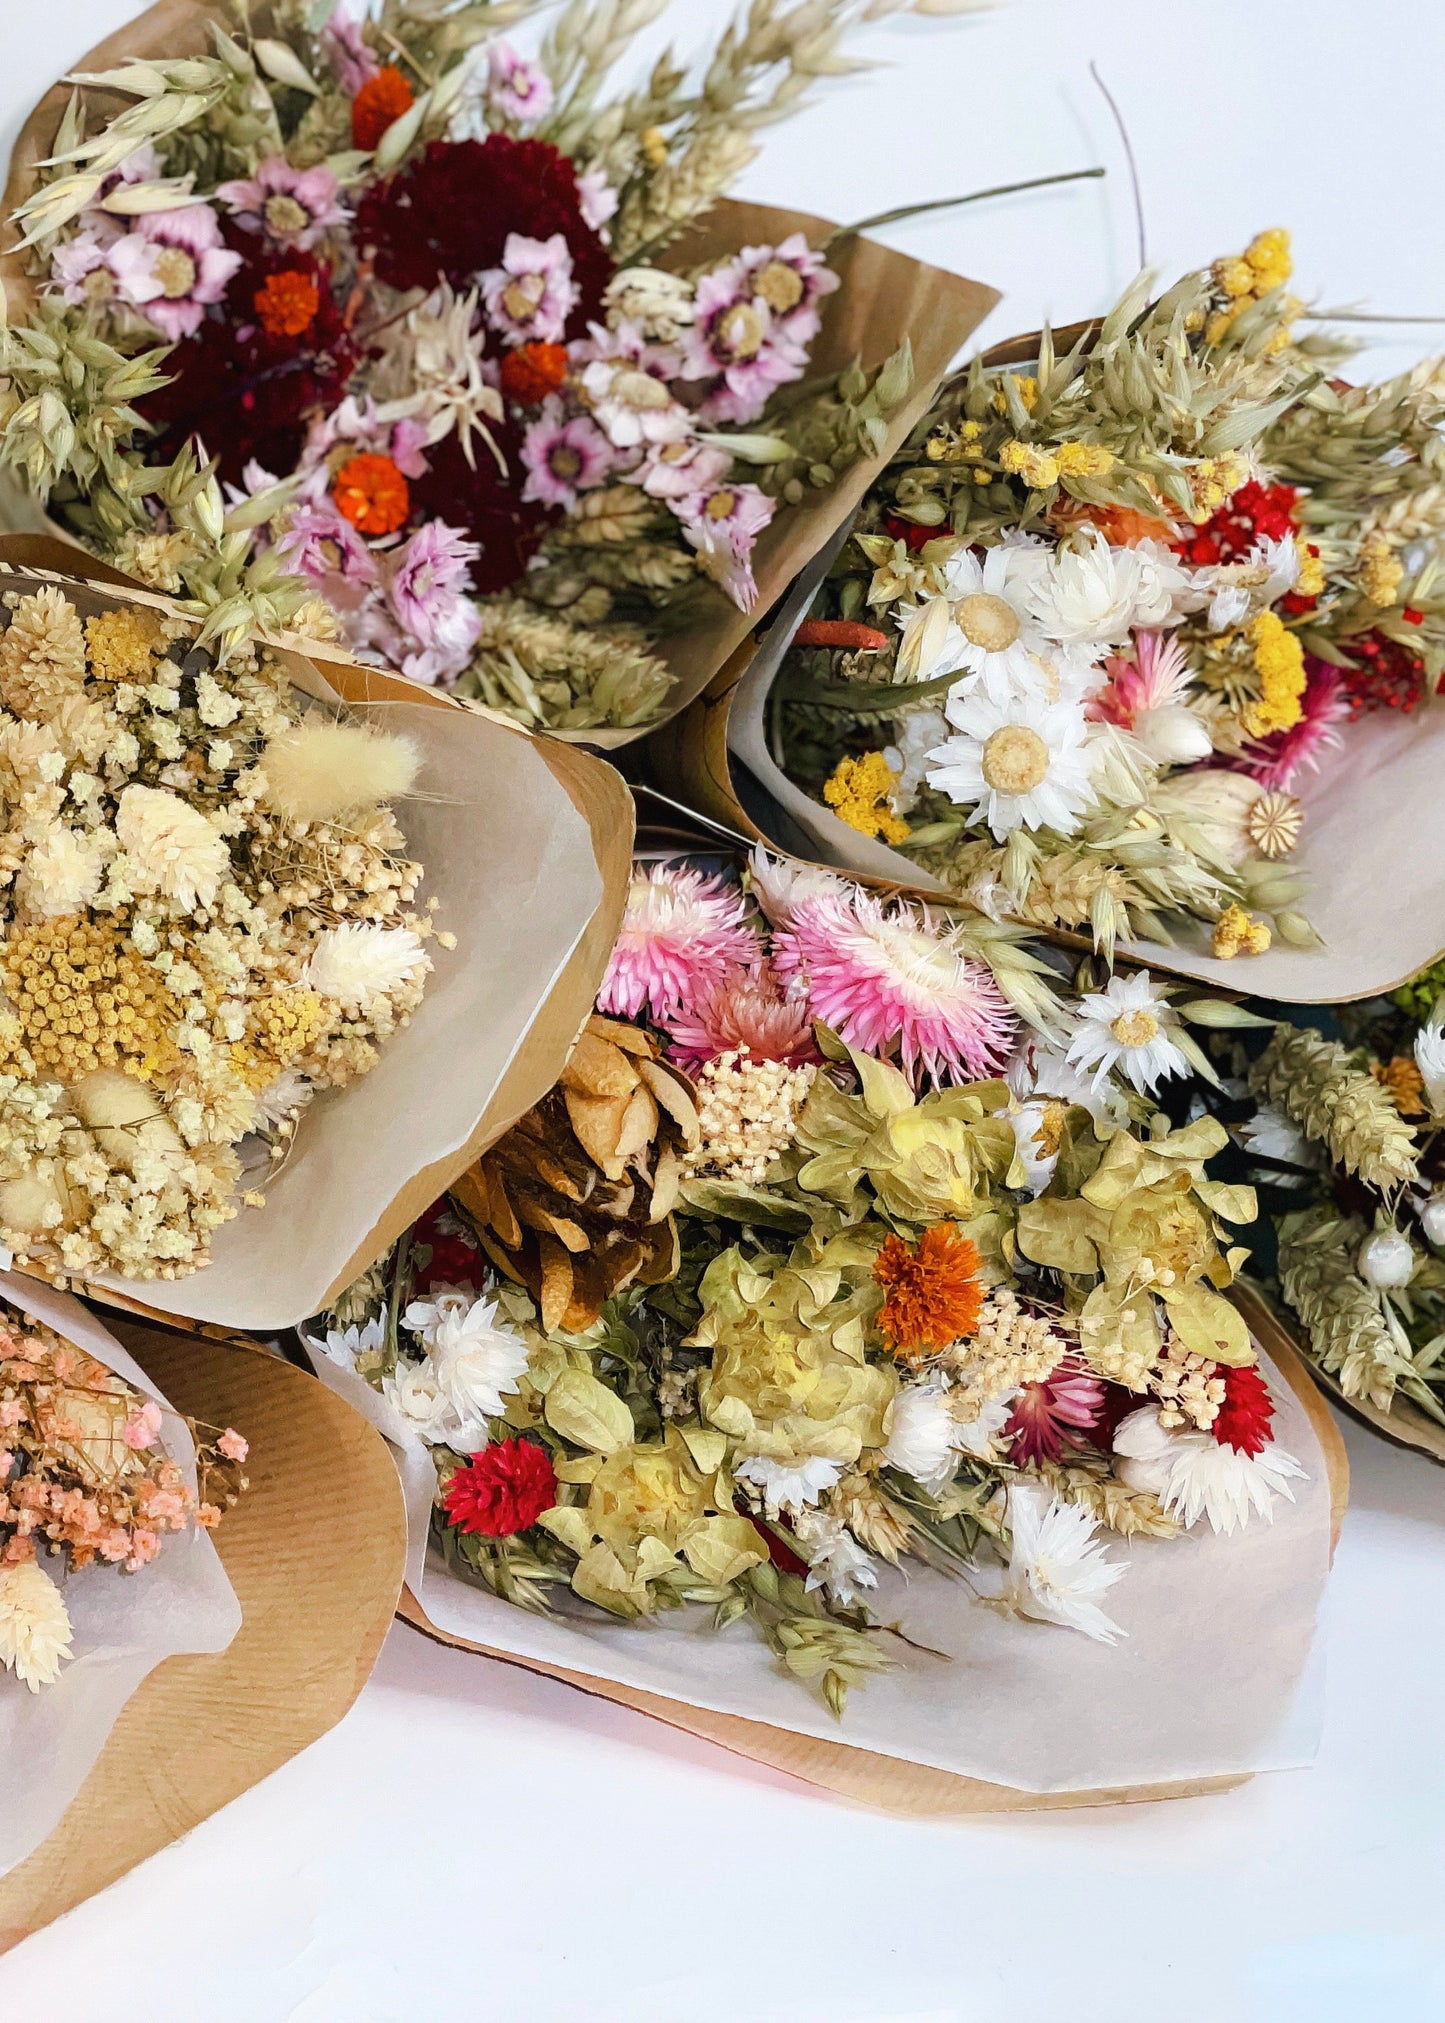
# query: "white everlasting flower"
[[979, 1436], [1095, 595], [283, 1099], [1270, 1134], [63, 872], [477, 1359], [415, 1393], [1194, 1475], [922, 1434], [170, 847], [1057, 1571], [789, 1485], [1020, 763], [1430, 1060], [1127, 1025], [358, 961], [836, 1561], [424, 1316], [915, 733], [34, 1625], [344, 1345], [781, 884], [631, 406]]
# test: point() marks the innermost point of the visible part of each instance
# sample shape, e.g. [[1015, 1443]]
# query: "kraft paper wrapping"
[[1218, 1677], [884, 298], [317, 1577], [527, 844], [124, 1625]]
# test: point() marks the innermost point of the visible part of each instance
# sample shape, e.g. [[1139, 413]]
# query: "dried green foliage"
[[1316, 1083]]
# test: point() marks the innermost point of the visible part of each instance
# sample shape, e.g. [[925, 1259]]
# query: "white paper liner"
[[124, 1625], [1217, 1676], [511, 860]]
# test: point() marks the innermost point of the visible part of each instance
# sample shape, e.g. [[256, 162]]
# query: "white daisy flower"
[[1022, 763], [1127, 1025], [1194, 1475], [980, 627], [789, 1486], [835, 1559], [1430, 1060], [1056, 1569]]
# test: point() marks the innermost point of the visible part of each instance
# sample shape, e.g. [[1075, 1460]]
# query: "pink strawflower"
[[530, 296], [563, 457], [683, 930], [233, 1445], [879, 977], [516, 89], [352, 63], [172, 266], [723, 525], [1325, 705], [292, 207], [143, 1427], [1067, 1403], [82, 265], [743, 1011]]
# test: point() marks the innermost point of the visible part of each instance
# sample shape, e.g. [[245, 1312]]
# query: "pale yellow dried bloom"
[[748, 1112], [42, 655], [34, 1625]]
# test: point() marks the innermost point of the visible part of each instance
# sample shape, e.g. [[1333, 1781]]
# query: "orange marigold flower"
[[286, 303], [934, 1295], [382, 98], [371, 492], [533, 371]]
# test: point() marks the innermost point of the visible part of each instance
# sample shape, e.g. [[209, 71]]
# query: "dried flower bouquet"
[[85, 1477], [406, 290], [849, 1236], [208, 914], [1106, 610]]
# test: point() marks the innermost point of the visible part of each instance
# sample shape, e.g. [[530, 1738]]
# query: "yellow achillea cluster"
[[1213, 481], [1279, 662], [1311, 579], [858, 793], [1264, 266], [83, 1001], [1235, 933], [1381, 570], [1038, 468], [282, 1026], [1084, 460], [122, 644]]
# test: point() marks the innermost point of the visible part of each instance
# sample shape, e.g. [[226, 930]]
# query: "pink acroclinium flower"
[[1053, 1412], [723, 525], [1276, 760], [292, 207], [882, 977], [682, 932], [597, 199], [683, 473], [172, 266], [531, 295], [755, 317], [564, 457], [1156, 678], [744, 1010], [516, 89]]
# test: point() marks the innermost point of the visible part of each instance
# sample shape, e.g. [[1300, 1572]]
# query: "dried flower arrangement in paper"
[[848, 1236], [1117, 604], [207, 914], [85, 1480], [409, 280]]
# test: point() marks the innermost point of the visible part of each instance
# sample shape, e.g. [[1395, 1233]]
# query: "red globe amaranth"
[[246, 392], [1255, 512], [451, 210], [502, 1490], [1247, 1414]]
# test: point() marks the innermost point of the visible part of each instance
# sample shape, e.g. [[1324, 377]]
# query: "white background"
[[476, 1843]]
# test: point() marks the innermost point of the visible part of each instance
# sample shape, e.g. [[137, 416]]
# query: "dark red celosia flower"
[[1255, 512], [455, 1256], [245, 392], [450, 211], [1247, 1414], [1048, 1415], [484, 504], [502, 1490]]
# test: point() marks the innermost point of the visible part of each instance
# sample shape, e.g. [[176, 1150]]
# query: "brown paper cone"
[[317, 1576], [885, 297], [599, 796], [889, 1782]]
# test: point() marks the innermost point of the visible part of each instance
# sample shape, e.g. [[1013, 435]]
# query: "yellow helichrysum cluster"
[[858, 793], [85, 1001], [1264, 266]]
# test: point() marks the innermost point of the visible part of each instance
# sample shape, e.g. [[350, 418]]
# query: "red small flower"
[[1247, 1414], [908, 532], [1387, 676], [286, 303], [502, 1490], [532, 371], [1069, 1402], [456, 1258], [1255, 512], [380, 100], [371, 492]]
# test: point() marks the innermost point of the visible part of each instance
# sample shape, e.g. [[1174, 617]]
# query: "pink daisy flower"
[[531, 295], [563, 458], [1325, 705], [1054, 1412], [723, 525], [172, 266], [877, 977], [743, 1011], [682, 931]]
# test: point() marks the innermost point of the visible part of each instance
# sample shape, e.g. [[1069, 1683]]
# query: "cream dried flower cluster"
[[207, 913]]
